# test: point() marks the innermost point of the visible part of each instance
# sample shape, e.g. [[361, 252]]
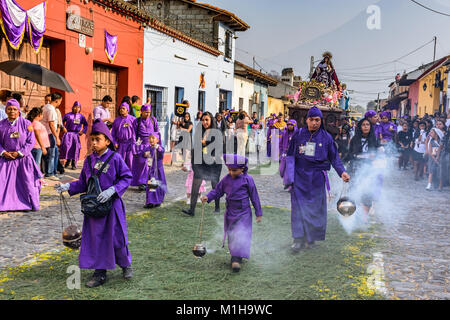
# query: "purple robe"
[[238, 213], [308, 174], [104, 241], [269, 132], [385, 132], [377, 130], [70, 143], [156, 170], [20, 178], [124, 134], [139, 166], [284, 145]]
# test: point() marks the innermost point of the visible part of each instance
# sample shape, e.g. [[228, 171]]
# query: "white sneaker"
[[428, 187], [188, 201], [54, 178]]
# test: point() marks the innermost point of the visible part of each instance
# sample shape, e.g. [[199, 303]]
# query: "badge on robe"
[[14, 135], [99, 164], [76, 121], [310, 149], [126, 125], [139, 141]]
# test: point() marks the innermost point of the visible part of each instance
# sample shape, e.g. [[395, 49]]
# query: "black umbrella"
[[35, 73]]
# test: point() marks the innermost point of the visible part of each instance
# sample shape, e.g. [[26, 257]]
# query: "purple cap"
[[235, 161], [146, 107], [76, 104], [124, 104], [386, 114], [314, 112], [100, 127], [13, 102], [293, 122], [369, 114]]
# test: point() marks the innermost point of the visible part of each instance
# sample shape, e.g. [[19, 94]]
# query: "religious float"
[[323, 91]]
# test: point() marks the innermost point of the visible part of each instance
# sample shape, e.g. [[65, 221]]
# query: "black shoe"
[[127, 272], [74, 168], [297, 247], [236, 266], [310, 245], [156, 205], [67, 164], [96, 281], [188, 212], [149, 206], [285, 187], [142, 187]]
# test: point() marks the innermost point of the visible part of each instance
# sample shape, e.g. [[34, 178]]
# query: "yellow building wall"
[[428, 101], [274, 105]]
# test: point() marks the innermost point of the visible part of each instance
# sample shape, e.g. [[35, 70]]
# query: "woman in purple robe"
[[124, 135], [19, 173], [144, 126], [74, 126], [155, 155], [311, 154], [284, 145], [104, 241], [240, 189]]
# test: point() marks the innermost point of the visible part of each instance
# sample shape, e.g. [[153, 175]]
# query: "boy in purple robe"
[[19, 173], [270, 123], [387, 128], [124, 135], [311, 154], [240, 189], [284, 145], [74, 126], [144, 126], [104, 240], [155, 155]]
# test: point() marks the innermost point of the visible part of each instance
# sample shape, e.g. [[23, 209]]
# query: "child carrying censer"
[[156, 185], [104, 239], [240, 189]]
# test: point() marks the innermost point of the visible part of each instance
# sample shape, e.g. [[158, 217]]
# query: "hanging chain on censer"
[[199, 249], [71, 235]]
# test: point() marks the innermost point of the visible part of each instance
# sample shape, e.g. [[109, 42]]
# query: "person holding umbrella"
[[18, 170]]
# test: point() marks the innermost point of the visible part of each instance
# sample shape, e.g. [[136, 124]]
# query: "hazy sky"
[[286, 33]]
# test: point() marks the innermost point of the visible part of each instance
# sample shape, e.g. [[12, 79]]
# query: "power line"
[[428, 8]]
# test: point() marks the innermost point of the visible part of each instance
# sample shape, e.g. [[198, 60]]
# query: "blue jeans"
[[55, 165], [37, 155], [49, 159]]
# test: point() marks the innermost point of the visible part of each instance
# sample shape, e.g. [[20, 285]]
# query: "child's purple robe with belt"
[[385, 132], [143, 129], [70, 143], [20, 178], [104, 241], [124, 134], [308, 174], [156, 170], [238, 213]]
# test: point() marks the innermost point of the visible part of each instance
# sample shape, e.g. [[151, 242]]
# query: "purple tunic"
[[284, 145], [269, 132], [20, 177], [124, 134], [104, 241], [238, 214], [308, 176], [143, 128], [156, 171], [70, 143], [385, 132]]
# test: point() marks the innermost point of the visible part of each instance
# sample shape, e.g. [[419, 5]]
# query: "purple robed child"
[[155, 156], [387, 129], [124, 135], [284, 145], [74, 123], [143, 128], [104, 241], [310, 155], [20, 177], [239, 192]]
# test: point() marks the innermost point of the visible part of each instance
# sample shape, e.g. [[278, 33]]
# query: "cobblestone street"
[[413, 238]]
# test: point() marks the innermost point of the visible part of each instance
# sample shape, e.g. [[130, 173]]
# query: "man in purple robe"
[[144, 126], [155, 155], [240, 189], [373, 118], [284, 145], [124, 135], [270, 123], [19, 174], [311, 154], [74, 126], [104, 241]]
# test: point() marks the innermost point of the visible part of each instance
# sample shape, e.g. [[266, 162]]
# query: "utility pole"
[[378, 102], [434, 54], [311, 67], [254, 62]]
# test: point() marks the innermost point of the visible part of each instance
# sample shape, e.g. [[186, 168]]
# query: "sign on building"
[[79, 24]]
